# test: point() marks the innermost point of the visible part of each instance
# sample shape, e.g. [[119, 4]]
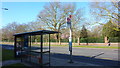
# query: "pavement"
[[64, 62], [54, 62], [57, 62]]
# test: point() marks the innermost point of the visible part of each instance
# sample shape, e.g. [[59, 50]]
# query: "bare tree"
[[54, 16], [105, 11], [9, 30], [34, 26], [96, 31]]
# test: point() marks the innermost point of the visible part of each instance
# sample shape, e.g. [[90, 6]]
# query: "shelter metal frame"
[[27, 42]]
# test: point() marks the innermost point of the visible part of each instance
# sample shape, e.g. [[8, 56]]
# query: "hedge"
[[92, 40], [82, 40]]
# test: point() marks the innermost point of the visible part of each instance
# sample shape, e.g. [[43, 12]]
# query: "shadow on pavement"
[[101, 62]]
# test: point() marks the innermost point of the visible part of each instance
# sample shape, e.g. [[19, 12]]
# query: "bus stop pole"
[[70, 39], [70, 46]]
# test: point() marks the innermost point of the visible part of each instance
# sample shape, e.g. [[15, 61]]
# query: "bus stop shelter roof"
[[40, 32]]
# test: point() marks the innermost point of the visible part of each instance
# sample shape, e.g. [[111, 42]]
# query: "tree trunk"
[[35, 41], [86, 41], [56, 39], [78, 40], [59, 37], [106, 39], [59, 41], [74, 41]]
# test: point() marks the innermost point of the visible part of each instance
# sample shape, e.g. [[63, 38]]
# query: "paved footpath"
[[65, 62], [54, 62]]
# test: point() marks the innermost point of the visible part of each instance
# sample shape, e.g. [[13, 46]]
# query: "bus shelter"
[[24, 50]]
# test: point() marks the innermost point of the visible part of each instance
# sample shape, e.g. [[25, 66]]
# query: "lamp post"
[[4, 8], [70, 37]]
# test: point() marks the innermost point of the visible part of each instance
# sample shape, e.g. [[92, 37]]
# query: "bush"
[[92, 40], [64, 40], [114, 39]]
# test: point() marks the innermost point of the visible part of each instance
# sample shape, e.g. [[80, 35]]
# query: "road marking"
[[98, 55]]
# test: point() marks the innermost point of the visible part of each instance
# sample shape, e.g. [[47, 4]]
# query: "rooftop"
[[40, 32]]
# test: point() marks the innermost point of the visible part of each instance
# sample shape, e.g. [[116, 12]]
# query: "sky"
[[20, 12], [58, 0], [25, 12]]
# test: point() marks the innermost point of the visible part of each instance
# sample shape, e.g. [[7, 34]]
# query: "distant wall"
[[92, 44]]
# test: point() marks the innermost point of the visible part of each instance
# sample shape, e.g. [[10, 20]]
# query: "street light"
[[4, 8]]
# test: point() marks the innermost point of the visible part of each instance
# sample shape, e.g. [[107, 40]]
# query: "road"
[[105, 57]]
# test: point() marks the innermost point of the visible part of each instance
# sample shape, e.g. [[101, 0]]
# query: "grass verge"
[[85, 46], [7, 54]]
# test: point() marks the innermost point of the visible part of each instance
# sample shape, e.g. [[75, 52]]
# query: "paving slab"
[[64, 62]]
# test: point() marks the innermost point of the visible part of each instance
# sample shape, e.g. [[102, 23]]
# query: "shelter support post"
[[30, 47], [15, 40], [41, 48], [49, 49]]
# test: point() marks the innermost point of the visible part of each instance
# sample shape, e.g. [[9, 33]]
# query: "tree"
[[9, 30], [84, 34], [104, 11], [96, 31], [76, 34], [34, 26], [54, 16], [108, 30]]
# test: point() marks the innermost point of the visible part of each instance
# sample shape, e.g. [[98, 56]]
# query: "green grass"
[[47, 45], [85, 46], [17, 65], [7, 54]]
